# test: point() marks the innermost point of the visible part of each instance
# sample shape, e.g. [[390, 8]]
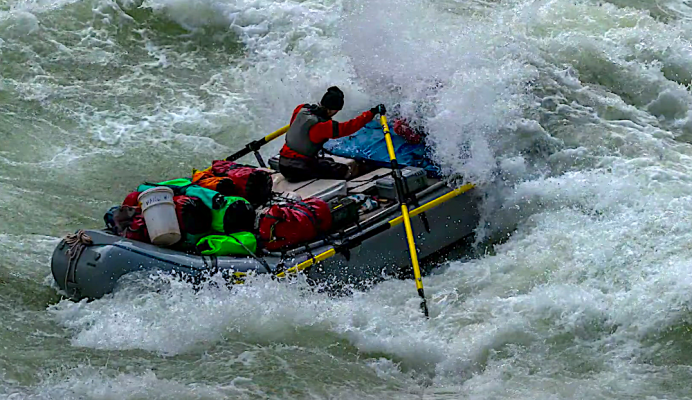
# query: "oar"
[[398, 181], [253, 147]]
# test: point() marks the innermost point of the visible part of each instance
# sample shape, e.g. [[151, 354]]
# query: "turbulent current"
[[573, 117]]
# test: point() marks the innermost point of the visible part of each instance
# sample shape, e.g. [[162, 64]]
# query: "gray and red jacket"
[[309, 132]]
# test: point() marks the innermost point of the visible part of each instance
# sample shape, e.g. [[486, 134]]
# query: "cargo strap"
[[253, 255], [264, 213], [412, 200], [76, 242]]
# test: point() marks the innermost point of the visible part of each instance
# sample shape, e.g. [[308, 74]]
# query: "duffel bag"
[[207, 179], [293, 223], [137, 229], [252, 184], [193, 216]]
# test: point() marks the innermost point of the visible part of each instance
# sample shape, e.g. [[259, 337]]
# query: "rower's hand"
[[379, 109]]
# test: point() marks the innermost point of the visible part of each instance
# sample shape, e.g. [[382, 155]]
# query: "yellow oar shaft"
[[404, 213], [308, 263], [388, 138], [412, 247], [276, 134], [255, 146]]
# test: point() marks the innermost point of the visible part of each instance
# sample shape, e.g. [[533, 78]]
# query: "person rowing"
[[311, 127]]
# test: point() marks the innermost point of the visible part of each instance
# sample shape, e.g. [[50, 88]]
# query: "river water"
[[572, 116]]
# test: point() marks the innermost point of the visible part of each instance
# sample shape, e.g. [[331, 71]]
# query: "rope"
[[77, 242], [253, 255]]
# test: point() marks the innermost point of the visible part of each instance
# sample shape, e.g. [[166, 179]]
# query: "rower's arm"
[[332, 129]]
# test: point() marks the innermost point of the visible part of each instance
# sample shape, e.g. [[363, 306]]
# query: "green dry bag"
[[211, 198], [237, 244], [237, 215]]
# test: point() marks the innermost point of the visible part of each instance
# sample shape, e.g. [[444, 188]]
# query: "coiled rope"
[[76, 243]]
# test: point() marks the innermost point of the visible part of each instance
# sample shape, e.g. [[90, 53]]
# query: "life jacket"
[[298, 135], [193, 216], [250, 183], [293, 223], [237, 215]]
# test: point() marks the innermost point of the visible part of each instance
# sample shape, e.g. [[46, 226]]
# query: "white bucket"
[[158, 210]]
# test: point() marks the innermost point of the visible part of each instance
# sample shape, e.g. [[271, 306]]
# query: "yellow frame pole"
[[404, 214]]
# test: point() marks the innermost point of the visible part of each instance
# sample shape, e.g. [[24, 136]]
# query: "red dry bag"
[[289, 224]]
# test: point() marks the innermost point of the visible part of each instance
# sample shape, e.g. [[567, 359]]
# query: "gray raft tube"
[[94, 270]]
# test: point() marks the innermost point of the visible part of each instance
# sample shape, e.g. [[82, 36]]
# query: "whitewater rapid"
[[573, 117]]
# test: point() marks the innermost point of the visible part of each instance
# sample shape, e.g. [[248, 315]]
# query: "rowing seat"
[[354, 169]]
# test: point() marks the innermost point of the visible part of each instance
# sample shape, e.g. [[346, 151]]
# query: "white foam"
[[180, 320], [102, 383], [671, 104], [18, 23], [553, 106]]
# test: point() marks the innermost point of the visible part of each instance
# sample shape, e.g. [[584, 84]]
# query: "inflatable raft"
[[363, 250]]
